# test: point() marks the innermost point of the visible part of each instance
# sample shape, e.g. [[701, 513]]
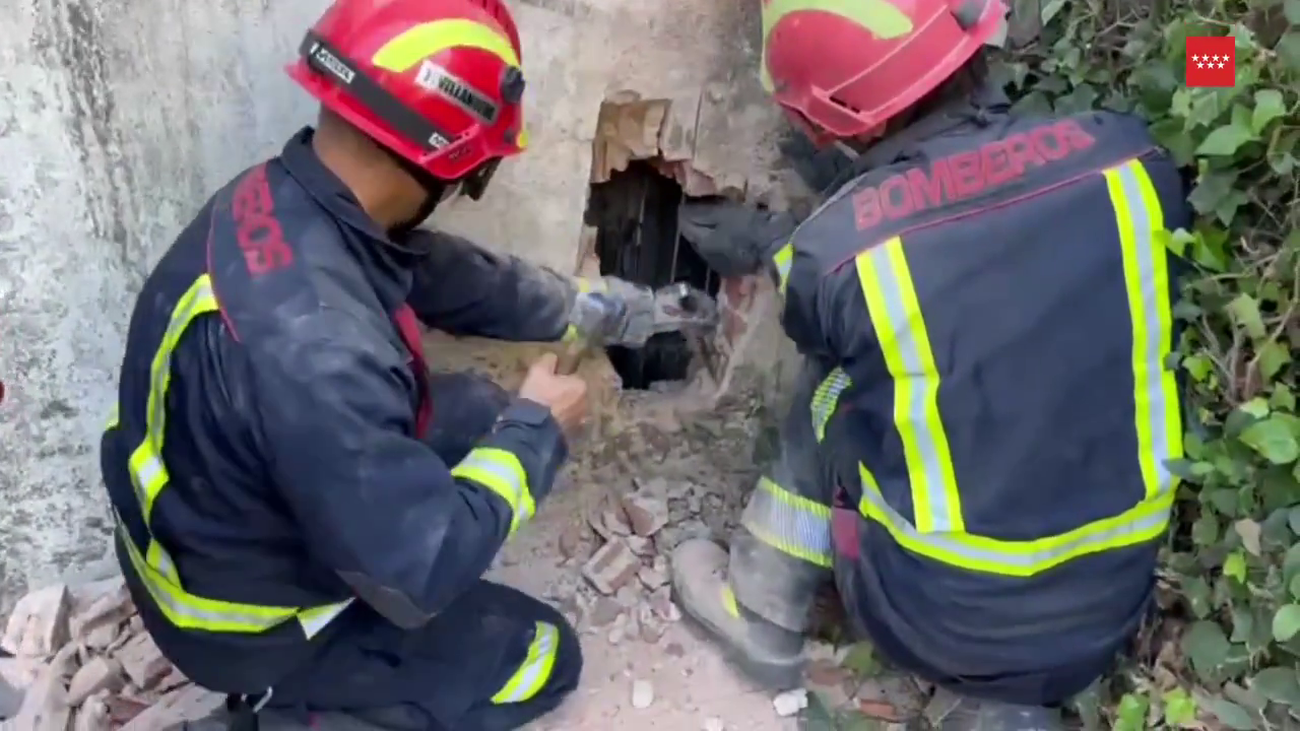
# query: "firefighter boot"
[[951, 712], [767, 654]]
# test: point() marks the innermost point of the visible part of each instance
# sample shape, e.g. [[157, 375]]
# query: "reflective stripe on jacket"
[[999, 300]]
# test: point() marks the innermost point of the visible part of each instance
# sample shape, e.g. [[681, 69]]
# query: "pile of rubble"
[[622, 549], [78, 659]]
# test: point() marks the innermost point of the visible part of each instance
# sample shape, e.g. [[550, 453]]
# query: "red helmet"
[[842, 68], [437, 82]]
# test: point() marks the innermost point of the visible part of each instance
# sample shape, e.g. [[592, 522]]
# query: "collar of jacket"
[[387, 267], [985, 105]]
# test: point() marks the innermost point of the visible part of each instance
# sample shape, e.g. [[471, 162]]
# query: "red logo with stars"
[[1211, 61]]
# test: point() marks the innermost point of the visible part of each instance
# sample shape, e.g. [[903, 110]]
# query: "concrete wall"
[[118, 118]]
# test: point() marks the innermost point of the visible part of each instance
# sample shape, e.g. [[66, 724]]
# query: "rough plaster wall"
[[118, 118]]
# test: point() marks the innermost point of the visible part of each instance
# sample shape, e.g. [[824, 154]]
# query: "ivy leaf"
[[1273, 439], [1180, 708], [1286, 622], [1226, 140], [1235, 566], [1280, 685], [1244, 310], [1269, 105], [1207, 647], [861, 660], [1288, 49], [1132, 713], [1273, 357], [1230, 714], [1249, 531]]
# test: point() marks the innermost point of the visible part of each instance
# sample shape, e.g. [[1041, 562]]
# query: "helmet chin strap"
[[435, 191]]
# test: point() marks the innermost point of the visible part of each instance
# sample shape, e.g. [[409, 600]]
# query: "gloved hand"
[[613, 311], [822, 169], [734, 239]]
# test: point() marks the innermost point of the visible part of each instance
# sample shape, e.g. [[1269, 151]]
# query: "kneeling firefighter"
[[304, 512], [977, 450]]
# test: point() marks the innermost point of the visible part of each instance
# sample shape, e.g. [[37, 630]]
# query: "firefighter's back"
[[1004, 297]]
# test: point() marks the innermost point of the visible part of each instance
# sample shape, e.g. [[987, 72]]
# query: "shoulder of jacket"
[[310, 291]]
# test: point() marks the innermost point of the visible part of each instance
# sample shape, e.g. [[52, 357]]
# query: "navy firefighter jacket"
[[996, 295], [265, 465]]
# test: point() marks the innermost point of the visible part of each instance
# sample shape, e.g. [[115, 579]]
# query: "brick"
[[142, 662], [93, 716], [45, 704], [20, 672], [184, 704], [645, 514], [38, 626], [100, 673], [97, 624], [611, 567]]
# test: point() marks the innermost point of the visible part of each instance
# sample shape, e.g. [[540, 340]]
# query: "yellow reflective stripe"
[[790, 523], [1146, 279], [783, 260], [1144, 522], [535, 671], [147, 469], [1158, 420], [422, 41], [188, 611], [112, 418], [884, 19], [729, 601], [155, 568], [900, 329], [501, 472], [826, 398]]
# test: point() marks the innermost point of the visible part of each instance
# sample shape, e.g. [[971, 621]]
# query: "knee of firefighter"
[[770, 584], [552, 666], [465, 406]]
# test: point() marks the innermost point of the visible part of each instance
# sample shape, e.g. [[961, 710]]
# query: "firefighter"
[[303, 512], [977, 451]]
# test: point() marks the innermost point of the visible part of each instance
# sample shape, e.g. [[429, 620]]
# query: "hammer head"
[[680, 307]]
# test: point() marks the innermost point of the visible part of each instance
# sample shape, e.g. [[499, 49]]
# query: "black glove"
[[820, 169], [732, 238]]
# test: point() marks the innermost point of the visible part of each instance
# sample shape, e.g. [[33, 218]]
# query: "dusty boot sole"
[[701, 604]]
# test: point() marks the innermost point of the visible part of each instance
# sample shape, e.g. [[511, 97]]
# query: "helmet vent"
[[846, 105]]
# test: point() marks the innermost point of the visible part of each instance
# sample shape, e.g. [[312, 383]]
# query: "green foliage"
[[1225, 652]]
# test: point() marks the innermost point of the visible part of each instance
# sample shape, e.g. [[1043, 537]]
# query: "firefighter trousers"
[[784, 550], [495, 659]]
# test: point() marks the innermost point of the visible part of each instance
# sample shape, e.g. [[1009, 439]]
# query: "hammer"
[[678, 307]]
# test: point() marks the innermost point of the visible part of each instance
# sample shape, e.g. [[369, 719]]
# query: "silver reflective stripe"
[[826, 398], [903, 336], [503, 479], [789, 523], [315, 620], [1153, 345]]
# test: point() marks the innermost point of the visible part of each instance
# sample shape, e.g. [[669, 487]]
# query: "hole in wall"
[[634, 214]]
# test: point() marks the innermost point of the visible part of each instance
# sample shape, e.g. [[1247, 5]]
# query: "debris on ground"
[[81, 661]]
